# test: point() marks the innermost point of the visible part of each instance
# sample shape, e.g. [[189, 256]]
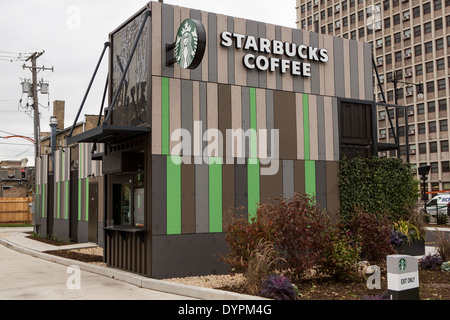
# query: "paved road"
[[23, 277]]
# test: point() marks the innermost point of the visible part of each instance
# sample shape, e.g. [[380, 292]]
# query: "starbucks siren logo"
[[190, 44], [402, 264]]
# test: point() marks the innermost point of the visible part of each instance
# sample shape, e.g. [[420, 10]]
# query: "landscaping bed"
[[434, 284]]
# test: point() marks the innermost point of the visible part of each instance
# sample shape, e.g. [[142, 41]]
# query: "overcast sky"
[[72, 34]]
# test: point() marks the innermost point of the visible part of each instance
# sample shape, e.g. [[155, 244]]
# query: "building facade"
[[209, 113], [411, 44]]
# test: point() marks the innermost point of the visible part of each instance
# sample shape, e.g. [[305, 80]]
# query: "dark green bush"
[[378, 186]]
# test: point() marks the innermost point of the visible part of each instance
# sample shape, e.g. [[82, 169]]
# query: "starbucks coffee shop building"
[[208, 113]]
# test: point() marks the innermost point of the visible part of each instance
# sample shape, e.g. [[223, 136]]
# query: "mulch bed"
[[434, 285]]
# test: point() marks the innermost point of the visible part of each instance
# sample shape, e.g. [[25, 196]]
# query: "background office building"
[[410, 42]]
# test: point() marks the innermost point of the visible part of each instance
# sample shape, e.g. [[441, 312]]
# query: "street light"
[[420, 96]]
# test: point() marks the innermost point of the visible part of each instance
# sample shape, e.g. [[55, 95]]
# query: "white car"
[[439, 204]]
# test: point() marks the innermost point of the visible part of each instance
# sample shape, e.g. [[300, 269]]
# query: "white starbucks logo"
[[190, 44]]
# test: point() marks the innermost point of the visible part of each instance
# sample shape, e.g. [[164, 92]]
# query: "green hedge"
[[377, 185]]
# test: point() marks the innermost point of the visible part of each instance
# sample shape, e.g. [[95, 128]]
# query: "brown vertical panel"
[[285, 121], [204, 64], [156, 38], [333, 202], [187, 198], [228, 192], [240, 71], [287, 79], [299, 176], [222, 53], [224, 116], [271, 76], [271, 186]]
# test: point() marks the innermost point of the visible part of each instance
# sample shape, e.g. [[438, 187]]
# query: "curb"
[[139, 281]]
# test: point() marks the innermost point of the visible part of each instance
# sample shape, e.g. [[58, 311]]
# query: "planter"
[[415, 248]]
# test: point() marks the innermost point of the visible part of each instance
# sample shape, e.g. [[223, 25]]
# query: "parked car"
[[440, 204]]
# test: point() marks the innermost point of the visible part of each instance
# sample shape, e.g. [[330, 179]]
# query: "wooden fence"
[[15, 210]]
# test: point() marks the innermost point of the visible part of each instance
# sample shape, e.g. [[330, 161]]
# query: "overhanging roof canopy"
[[107, 134]]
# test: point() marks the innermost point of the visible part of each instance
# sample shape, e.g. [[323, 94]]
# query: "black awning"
[[107, 134]]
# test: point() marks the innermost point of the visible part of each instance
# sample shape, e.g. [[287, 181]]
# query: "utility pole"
[[34, 70]]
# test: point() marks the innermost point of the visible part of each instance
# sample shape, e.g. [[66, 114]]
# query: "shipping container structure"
[[208, 113]]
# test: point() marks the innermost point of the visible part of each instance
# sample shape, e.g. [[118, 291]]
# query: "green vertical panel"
[[66, 193], [306, 125], [173, 195], [87, 199], [215, 195], [165, 116], [253, 121], [310, 177], [253, 187], [79, 199], [58, 206]]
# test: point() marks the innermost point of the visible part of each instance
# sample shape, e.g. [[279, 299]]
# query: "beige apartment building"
[[411, 44]]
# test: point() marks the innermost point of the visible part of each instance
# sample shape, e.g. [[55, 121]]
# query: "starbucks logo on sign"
[[190, 44], [402, 264]]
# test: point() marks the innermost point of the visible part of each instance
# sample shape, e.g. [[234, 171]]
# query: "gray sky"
[[72, 34]]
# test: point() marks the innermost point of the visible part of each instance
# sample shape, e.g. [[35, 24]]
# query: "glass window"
[[437, 4], [440, 64], [443, 125], [422, 148], [438, 24], [429, 66], [426, 8], [427, 28], [416, 12], [431, 106], [439, 44], [432, 126], [433, 147], [428, 47], [430, 86], [417, 31], [445, 166], [420, 108], [434, 167], [419, 70], [442, 104], [444, 145], [441, 84], [418, 50], [421, 128]]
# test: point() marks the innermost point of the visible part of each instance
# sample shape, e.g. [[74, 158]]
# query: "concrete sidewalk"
[[16, 239]]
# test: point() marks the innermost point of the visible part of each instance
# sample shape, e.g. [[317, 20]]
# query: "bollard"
[[402, 277]]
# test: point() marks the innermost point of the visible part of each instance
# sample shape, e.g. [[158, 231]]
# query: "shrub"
[[341, 255], [377, 185], [431, 262], [279, 287], [373, 234], [263, 260], [243, 235], [302, 231], [442, 245]]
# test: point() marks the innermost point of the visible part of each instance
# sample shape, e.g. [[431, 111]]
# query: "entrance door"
[[93, 213]]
